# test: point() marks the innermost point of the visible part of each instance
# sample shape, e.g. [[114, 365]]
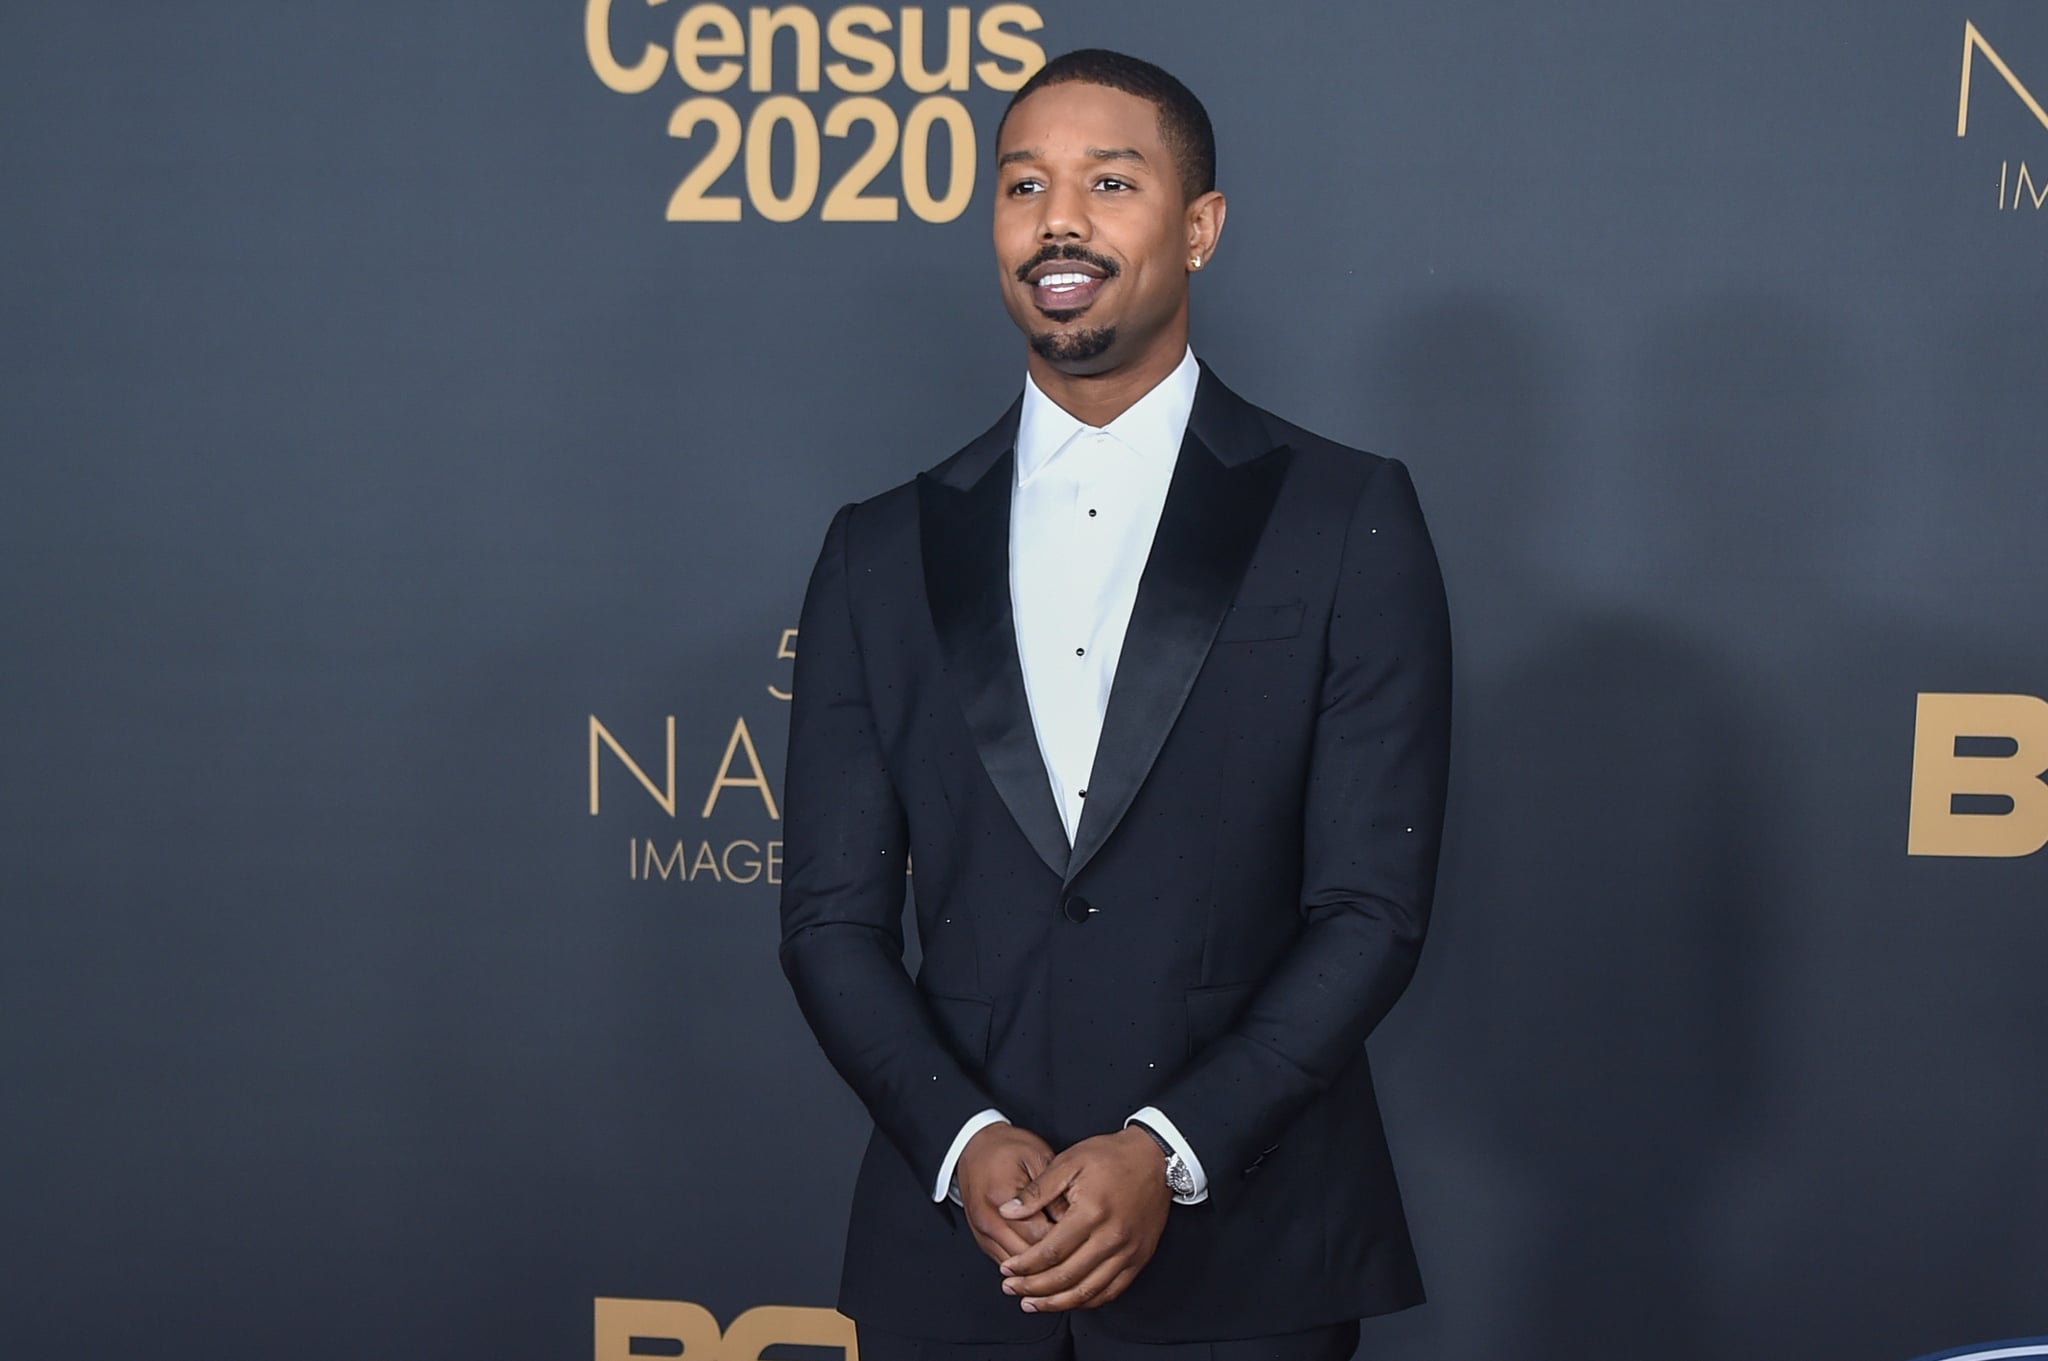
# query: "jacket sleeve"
[[844, 847], [1372, 821]]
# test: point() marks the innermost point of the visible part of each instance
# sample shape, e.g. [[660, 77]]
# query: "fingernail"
[[1008, 1288], [1006, 1269], [1013, 1203], [1030, 1306]]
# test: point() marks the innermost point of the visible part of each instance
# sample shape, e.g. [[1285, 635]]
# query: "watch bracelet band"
[[1178, 1178], [1157, 1138]]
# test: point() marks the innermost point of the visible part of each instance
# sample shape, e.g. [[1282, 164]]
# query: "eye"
[[1022, 187], [1112, 182]]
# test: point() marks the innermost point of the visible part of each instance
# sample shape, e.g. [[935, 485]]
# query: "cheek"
[[1152, 281], [1156, 252]]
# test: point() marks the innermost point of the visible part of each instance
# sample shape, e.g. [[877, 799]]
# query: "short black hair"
[[1183, 122]]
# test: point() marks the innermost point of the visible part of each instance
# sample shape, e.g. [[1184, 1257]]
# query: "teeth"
[[1063, 281]]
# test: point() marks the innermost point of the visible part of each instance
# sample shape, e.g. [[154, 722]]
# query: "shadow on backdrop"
[[1580, 1053]]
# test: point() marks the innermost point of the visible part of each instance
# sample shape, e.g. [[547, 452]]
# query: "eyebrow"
[[1120, 153]]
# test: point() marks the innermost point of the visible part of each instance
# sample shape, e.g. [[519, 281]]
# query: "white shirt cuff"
[[945, 1188], [1168, 1131]]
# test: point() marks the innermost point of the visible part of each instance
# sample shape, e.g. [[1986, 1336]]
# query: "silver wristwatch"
[[1178, 1179]]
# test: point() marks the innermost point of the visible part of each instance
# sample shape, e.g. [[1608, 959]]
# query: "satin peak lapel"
[[964, 528], [1223, 487]]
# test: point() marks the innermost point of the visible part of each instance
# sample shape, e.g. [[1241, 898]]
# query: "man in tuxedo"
[[1153, 687]]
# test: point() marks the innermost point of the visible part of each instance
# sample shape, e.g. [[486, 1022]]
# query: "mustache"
[[1047, 254]]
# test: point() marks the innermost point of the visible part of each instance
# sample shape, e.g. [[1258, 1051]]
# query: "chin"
[[1079, 348]]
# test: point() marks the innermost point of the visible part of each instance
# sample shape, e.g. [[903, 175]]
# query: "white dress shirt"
[[1083, 508]]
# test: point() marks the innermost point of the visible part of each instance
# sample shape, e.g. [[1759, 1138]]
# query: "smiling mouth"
[[1065, 279], [1060, 293]]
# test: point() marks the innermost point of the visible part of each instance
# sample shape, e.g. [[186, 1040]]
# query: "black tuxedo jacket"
[[1243, 900]]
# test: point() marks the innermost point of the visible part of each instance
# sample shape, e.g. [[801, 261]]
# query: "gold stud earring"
[[1195, 263]]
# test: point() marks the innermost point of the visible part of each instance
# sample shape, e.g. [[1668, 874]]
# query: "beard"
[[1073, 347]]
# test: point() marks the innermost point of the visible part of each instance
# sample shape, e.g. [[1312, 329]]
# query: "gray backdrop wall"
[[385, 473]]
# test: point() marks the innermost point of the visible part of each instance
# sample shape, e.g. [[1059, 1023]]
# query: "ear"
[[1205, 227]]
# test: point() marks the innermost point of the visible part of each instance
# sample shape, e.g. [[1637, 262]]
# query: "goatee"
[[1073, 347]]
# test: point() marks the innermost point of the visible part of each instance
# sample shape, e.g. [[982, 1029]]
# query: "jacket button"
[[1076, 908]]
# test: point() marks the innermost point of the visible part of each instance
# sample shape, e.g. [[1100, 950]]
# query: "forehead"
[[1070, 118]]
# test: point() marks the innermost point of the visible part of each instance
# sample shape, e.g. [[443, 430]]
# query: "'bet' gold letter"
[[1933, 826], [758, 1330], [620, 1321]]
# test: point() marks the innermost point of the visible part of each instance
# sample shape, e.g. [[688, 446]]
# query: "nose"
[[1063, 214]]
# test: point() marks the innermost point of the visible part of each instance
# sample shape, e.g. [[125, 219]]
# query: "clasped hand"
[[1070, 1231]]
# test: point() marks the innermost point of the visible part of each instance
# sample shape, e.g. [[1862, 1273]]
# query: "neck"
[[1098, 398]]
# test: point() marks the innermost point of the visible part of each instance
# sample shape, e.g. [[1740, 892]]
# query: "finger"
[[1100, 1246], [1028, 1171], [1120, 1283], [995, 1249], [1096, 1289], [997, 1236], [1015, 1235], [1051, 1250], [1042, 1190], [1032, 1231]]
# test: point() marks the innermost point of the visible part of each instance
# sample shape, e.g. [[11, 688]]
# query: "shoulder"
[[1333, 489], [1329, 473]]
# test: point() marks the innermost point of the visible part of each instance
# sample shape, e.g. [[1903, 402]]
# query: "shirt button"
[[1080, 652], [1091, 512]]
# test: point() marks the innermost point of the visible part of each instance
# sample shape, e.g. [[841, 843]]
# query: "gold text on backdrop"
[[622, 1322], [2024, 190], [2008, 777], [739, 768], [1973, 43], [710, 49], [738, 773], [2019, 187]]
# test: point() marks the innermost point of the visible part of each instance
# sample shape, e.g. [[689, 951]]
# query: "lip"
[[1072, 295], [1039, 271], [1064, 288]]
